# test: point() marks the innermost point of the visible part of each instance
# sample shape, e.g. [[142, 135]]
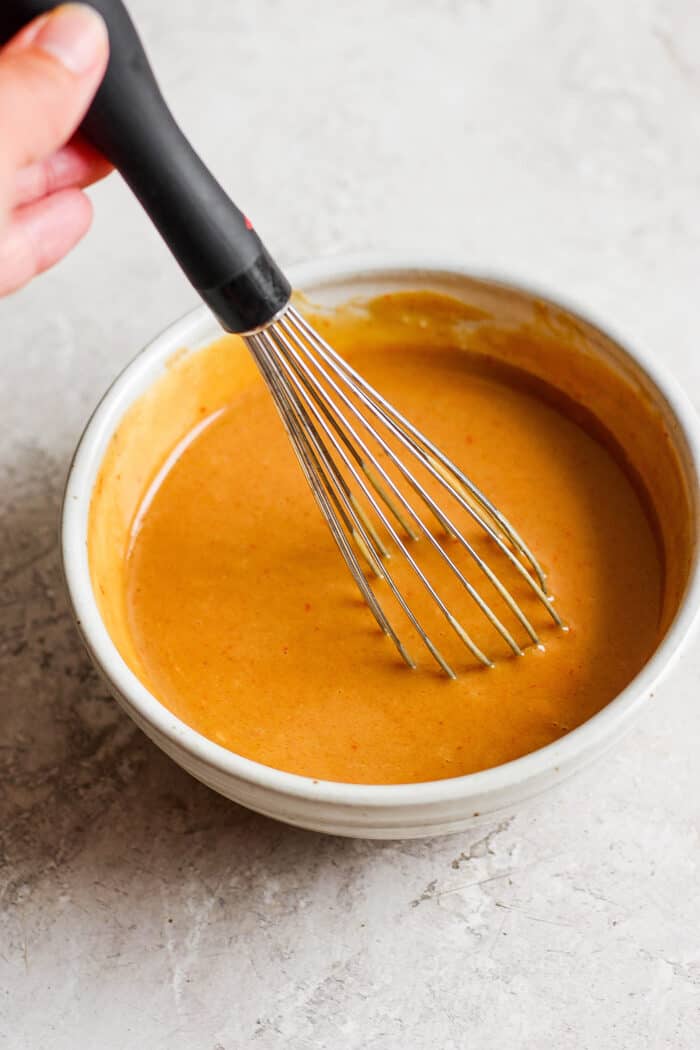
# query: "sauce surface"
[[249, 627]]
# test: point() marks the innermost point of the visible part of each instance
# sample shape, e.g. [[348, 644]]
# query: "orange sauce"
[[239, 614]]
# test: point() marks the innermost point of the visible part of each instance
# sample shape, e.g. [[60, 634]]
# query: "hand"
[[48, 75]]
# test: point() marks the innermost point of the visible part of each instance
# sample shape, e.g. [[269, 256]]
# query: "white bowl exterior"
[[367, 811]]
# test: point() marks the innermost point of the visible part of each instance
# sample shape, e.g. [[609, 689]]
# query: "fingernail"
[[75, 35]]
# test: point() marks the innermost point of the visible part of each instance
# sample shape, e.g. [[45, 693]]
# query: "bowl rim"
[[146, 708]]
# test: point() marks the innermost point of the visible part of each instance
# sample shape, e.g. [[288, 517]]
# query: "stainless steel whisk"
[[342, 430], [334, 417]]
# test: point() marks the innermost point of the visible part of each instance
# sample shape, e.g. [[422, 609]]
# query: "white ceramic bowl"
[[386, 811]]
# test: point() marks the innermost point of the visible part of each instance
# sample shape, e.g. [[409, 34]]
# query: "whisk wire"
[[454, 623], [320, 485], [303, 372], [300, 442], [404, 430], [309, 381], [449, 526]]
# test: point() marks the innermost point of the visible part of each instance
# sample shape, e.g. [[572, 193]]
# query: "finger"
[[48, 76], [40, 234], [25, 36], [77, 164]]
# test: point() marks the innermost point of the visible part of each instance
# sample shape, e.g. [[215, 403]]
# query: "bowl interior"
[[137, 427]]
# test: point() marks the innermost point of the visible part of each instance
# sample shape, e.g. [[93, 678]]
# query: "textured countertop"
[[137, 908]]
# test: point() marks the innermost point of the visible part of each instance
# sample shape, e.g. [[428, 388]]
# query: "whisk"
[[361, 457], [334, 419]]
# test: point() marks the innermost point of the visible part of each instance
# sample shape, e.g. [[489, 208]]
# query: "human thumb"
[[49, 74]]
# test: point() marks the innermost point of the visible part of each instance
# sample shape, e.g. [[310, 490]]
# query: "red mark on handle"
[[248, 223]]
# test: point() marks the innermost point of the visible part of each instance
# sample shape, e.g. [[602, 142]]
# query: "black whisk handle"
[[131, 125]]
